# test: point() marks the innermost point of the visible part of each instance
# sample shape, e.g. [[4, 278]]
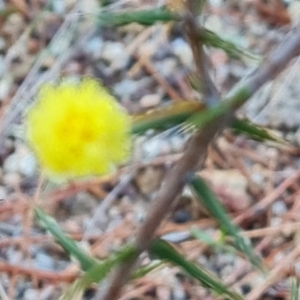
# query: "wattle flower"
[[78, 130]]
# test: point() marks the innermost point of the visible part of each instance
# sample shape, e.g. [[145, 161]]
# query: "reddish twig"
[[144, 61], [276, 274], [268, 200], [272, 12], [54, 277]]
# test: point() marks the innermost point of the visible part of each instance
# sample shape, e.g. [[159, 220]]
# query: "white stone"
[[166, 67], [22, 162], [11, 163], [3, 193], [28, 165], [94, 47], [183, 51], [279, 208], [5, 83], [150, 100], [2, 44], [12, 179], [59, 7], [31, 294], [126, 87], [115, 53]]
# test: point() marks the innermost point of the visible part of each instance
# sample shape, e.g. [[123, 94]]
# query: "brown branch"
[[174, 182], [195, 155], [211, 94]]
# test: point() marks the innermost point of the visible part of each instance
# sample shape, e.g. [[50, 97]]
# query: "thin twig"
[[99, 219], [159, 78], [54, 277], [211, 94], [269, 199], [286, 229], [276, 274]]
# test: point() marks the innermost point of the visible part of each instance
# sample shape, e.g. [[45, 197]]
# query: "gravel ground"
[[146, 67]]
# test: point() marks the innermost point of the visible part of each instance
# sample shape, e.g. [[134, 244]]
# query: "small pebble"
[[94, 47], [176, 237], [166, 67], [258, 29], [216, 3], [58, 7], [126, 88], [246, 289], [150, 100], [31, 294], [177, 143], [11, 163], [12, 179], [115, 53], [3, 193], [83, 204], [14, 26], [258, 177], [28, 166], [294, 11], [33, 46], [279, 208], [2, 44], [14, 256], [72, 68], [179, 293], [22, 161], [275, 222], [155, 147], [149, 179], [214, 24], [5, 84], [44, 261], [147, 49], [182, 216], [182, 49]]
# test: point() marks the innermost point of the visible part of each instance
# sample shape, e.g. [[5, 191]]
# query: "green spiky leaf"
[[295, 285], [144, 17], [98, 272], [208, 198], [207, 239], [211, 39], [166, 252], [165, 117], [256, 132], [67, 243]]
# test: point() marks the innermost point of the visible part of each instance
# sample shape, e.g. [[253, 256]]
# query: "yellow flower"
[[78, 130]]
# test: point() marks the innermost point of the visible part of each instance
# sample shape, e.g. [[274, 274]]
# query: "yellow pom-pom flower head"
[[78, 130]]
